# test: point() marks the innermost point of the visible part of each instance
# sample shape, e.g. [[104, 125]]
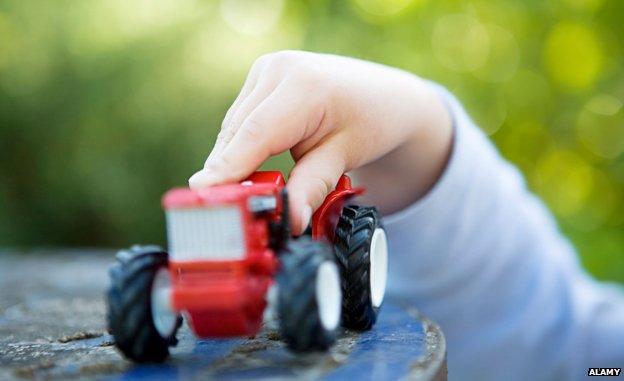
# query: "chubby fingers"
[[281, 107], [281, 120]]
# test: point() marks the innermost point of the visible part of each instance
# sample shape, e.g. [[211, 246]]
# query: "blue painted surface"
[[186, 362], [385, 352]]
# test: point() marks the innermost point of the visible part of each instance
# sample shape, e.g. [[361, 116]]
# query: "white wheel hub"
[[270, 316], [328, 295], [378, 266], [163, 316]]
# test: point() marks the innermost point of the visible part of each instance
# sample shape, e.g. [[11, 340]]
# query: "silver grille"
[[205, 234]]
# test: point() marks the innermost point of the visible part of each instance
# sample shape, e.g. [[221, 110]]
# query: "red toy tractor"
[[231, 254]]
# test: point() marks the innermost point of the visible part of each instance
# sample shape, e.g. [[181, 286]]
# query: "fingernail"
[[202, 178], [306, 214]]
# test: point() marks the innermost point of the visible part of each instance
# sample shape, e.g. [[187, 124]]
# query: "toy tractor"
[[231, 254]]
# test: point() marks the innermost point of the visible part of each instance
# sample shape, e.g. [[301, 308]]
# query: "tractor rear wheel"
[[362, 254], [137, 316], [308, 287]]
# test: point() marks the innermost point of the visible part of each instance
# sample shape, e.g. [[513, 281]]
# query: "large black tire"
[[129, 312], [352, 246], [300, 321]]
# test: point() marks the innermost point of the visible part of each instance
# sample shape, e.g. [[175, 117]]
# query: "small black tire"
[[303, 325], [129, 314], [353, 241]]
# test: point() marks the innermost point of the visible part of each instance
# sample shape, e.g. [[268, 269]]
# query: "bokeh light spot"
[[605, 104], [565, 180], [252, 17], [503, 56], [460, 42], [600, 126], [382, 8], [492, 115], [103, 26], [600, 205], [140, 17], [573, 55]]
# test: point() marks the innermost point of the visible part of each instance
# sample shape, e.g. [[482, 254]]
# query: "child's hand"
[[335, 115]]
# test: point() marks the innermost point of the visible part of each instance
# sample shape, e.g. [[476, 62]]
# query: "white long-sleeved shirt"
[[483, 257]]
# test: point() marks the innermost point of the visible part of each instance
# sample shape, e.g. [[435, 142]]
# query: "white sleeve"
[[484, 258]]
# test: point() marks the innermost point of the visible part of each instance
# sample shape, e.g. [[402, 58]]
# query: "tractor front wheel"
[[309, 295], [138, 315]]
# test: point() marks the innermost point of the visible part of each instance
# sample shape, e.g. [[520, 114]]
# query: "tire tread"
[[353, 235], [129, 315], [300, 326]]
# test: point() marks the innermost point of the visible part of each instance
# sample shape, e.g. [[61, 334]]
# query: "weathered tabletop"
[[52, 327]]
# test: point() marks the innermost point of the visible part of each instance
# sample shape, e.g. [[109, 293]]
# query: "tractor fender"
[[326, 216]]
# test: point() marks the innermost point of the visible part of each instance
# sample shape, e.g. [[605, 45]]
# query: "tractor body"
[[223, 243]]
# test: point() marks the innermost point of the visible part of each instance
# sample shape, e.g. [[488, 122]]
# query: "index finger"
[[276, 125]]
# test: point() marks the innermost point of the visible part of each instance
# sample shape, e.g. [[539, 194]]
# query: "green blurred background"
[[104, 105]]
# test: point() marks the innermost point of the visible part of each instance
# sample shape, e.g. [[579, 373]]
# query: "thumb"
[[310, 181]]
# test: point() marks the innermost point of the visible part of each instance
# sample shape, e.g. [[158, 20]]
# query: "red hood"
[[259, 183], [214, 195]]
